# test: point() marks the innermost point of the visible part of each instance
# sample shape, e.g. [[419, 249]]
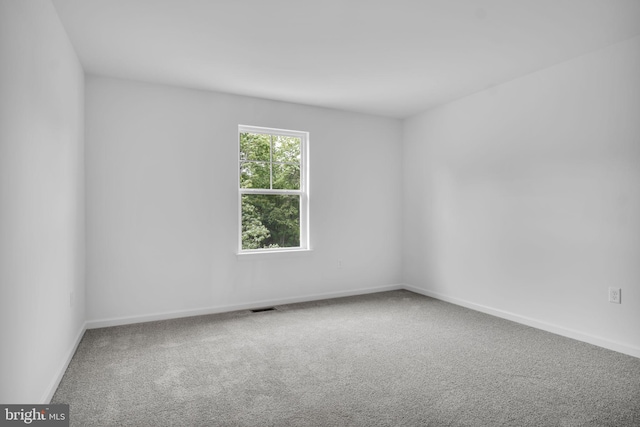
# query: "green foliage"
[[270, 162], [255, 146], [270, 221], [253, 231]]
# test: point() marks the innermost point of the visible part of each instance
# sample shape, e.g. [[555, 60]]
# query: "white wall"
[[524, 199], [162, 202], [41, 200]]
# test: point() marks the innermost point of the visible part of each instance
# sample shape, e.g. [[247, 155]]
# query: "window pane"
[[270, 221], [255, 175], [255, 146], [286, 177], [286, 149]]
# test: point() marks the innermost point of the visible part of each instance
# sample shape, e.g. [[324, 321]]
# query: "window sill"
[[274, 254]]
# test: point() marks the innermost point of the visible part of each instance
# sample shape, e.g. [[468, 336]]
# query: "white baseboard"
[[53, 386], [535, 323], [102, 323]]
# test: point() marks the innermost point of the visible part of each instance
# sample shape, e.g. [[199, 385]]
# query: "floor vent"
[[260, 310]]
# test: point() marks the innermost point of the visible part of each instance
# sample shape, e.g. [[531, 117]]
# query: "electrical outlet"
[[614, 295]]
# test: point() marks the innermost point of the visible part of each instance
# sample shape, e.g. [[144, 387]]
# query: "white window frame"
[[303, 192]]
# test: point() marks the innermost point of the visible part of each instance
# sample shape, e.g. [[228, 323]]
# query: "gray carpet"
[[387, 359]]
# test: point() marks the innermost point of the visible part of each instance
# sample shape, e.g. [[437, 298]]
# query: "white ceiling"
[[393, 58]]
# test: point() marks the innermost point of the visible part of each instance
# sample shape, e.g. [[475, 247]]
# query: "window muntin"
[[273, 195]]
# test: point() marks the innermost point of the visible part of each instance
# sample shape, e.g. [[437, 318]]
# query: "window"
[[272, 185]]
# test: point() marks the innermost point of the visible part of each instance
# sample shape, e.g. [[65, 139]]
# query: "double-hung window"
[[272, 185]]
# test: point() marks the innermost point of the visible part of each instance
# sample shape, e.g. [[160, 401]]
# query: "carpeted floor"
[[387, 359]]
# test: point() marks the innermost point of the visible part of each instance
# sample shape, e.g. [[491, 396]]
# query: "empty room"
[[338, 213]]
